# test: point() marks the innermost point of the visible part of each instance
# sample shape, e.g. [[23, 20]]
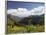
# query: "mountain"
[[14, 18], [27, 20]]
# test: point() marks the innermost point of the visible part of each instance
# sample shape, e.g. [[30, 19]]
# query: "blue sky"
[[25, 9], [29, 5]]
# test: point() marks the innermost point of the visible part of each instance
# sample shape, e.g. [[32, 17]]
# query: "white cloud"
[[23, 12]]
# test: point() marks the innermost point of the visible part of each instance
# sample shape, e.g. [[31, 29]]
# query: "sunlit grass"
[[28, 28]]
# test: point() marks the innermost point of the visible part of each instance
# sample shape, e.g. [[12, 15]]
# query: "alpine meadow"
[[25, 17]]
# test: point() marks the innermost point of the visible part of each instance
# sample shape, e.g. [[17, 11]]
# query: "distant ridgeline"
[[27, 20]]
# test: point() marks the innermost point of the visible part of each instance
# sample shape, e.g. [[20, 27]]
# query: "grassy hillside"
[[13, 27]]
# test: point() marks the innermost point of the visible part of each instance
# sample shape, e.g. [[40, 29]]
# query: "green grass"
[[28, 28], [25, 29]]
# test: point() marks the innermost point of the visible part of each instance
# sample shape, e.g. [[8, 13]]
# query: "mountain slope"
[[27, 20]]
